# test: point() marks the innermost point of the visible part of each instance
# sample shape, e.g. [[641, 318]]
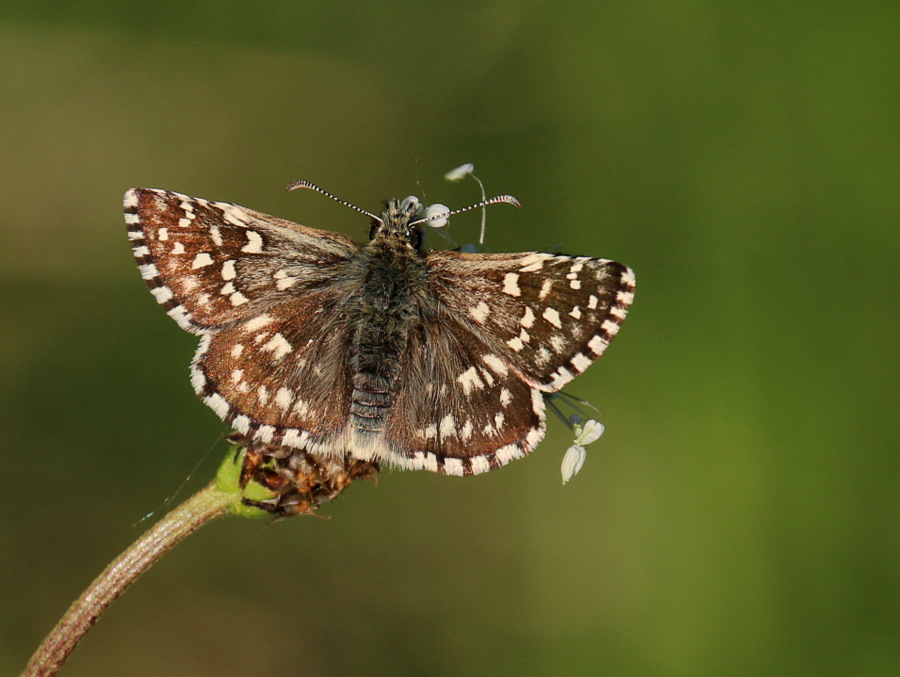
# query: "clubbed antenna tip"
[[303, 183]]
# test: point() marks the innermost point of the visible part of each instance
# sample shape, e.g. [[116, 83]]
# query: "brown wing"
[[212, 263], [281, 376], [545, 317]]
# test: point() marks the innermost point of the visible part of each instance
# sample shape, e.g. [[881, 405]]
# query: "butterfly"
[[388, 352]]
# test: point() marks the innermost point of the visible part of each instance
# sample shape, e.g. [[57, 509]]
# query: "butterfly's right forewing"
[[546, 317]]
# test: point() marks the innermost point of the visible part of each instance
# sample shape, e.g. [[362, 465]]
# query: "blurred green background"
[[741, 514]]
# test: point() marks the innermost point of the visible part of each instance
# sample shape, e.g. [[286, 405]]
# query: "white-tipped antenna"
[[303, 183], [507, 199]]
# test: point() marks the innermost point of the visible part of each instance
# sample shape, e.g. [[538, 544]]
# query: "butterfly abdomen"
[[394, 276]]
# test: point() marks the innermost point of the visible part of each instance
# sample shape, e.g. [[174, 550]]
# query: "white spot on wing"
[[453, 466], [543, 357], [508, 453], [469, 380], [533, 263], [552, 317], [597, 345], [545, 288], [300, 408], [233, 214], [266, 433], [528, 318], [495, 363], [283, 398], [610, 327], [254, 243], [480, 312], [558, 343], [218, 404], [161, 294], [257, 322], [511, 285], [202, 259], [278, 345], [580, 361], [228, 272], [479, 465], [448, 426], [283, 280]]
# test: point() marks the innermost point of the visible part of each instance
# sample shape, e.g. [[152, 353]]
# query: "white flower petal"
[[433, 215], [588, 433], [411, 200], [572, 462], [460, 172]]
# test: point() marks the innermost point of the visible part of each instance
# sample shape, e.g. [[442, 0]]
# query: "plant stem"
[[205, 505]]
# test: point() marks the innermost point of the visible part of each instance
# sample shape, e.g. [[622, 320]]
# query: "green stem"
[[205, 505]]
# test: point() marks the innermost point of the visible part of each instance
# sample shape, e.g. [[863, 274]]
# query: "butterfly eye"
[[374, 229], [416, 237]]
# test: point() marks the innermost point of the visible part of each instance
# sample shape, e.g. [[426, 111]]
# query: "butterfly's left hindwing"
[[282, 375]]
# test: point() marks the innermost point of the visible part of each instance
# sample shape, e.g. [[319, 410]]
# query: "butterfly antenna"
[[507, 199], [303, 183]]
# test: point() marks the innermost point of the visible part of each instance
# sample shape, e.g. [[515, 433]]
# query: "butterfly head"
[[398, 224]]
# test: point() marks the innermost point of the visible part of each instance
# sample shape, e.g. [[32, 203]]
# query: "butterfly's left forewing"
[[214, 263]]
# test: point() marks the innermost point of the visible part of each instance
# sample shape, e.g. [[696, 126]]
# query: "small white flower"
[[460, 172], [411, 200], [572, 462], [436, 215], [588, 433], [575, 455]]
